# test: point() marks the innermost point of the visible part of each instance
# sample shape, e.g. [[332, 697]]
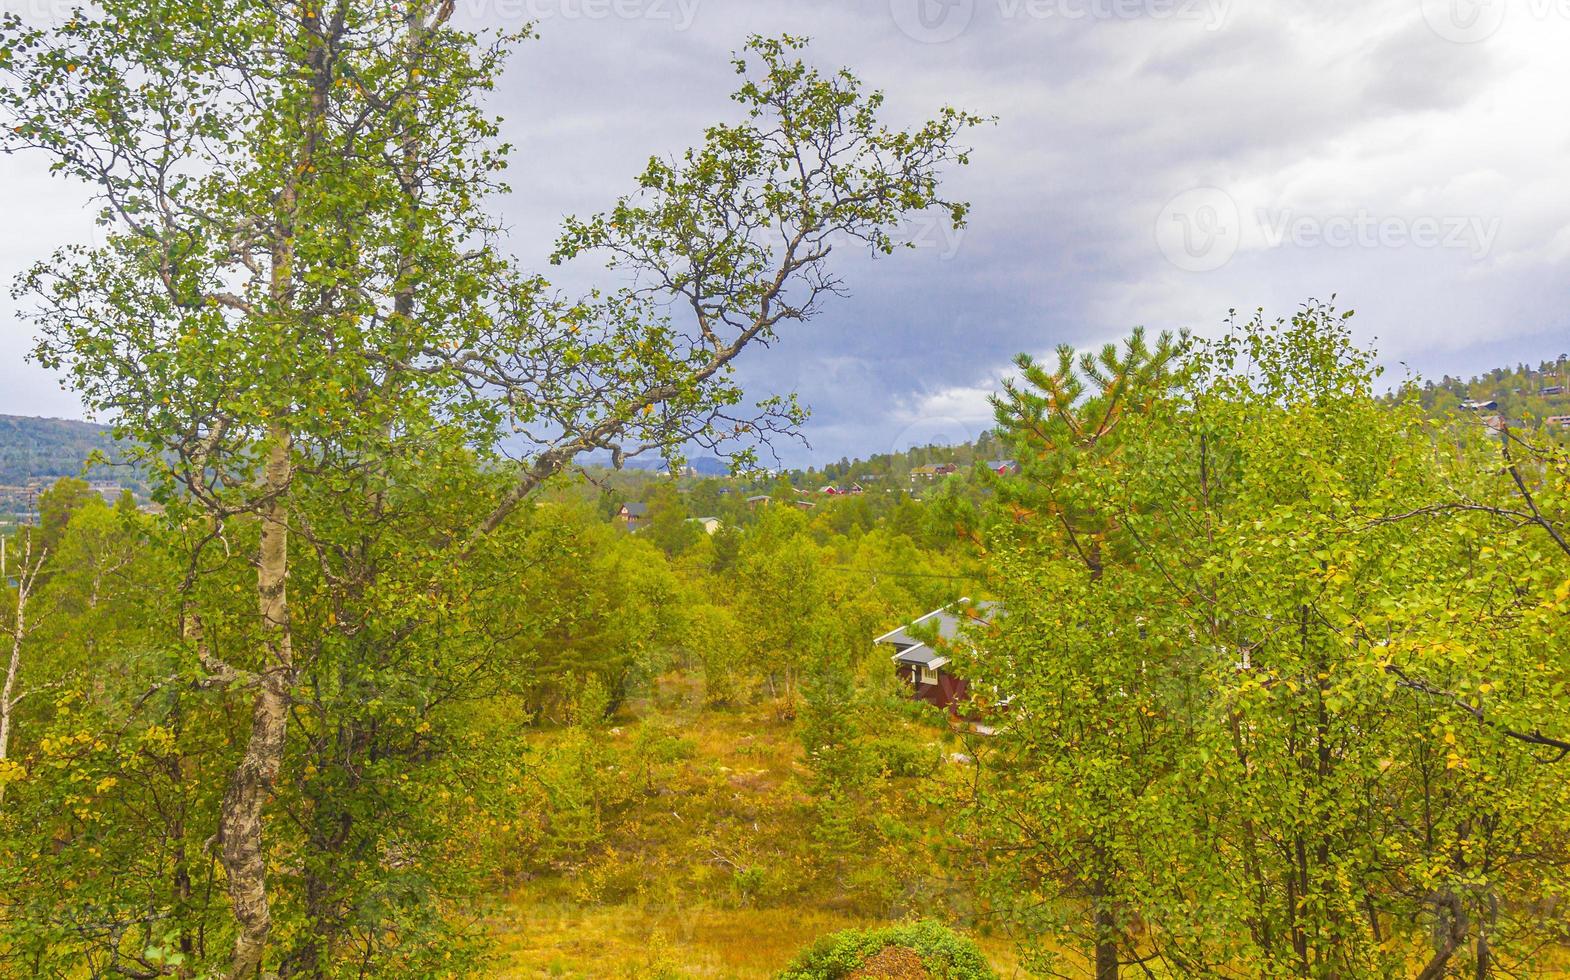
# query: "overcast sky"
[[1155, 162]]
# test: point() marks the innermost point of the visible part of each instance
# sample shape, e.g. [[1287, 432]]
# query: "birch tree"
[[301, 306], [17, 630]]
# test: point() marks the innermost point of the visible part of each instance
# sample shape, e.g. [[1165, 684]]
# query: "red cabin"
[[922, 666]]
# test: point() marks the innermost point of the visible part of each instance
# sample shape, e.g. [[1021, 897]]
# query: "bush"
[[653, 744], [901, 756], [943, 953]]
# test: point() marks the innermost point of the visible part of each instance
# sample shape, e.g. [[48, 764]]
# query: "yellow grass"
[[671, 916], [620, 941], [741, 789]]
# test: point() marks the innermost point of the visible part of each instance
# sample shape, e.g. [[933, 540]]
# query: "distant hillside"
[[894, 469], [34, 450], [1522, 394]]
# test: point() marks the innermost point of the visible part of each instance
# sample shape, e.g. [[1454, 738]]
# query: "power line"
[[894, 573]]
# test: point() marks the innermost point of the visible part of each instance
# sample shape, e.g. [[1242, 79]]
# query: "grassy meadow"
[[715, 868]]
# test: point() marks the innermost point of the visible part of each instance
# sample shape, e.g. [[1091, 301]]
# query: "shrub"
[[652, 744], [900, 756], [944, 954]]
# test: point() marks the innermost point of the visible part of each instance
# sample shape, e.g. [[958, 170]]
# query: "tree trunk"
[[1106, 951], [1450, 931], [1485, 923], [8, 695], [240, 829]]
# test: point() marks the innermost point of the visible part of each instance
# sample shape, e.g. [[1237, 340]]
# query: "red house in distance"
[[924, 668]]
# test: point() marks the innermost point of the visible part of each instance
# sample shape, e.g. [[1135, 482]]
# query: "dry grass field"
[[711, 871], [618, 942]]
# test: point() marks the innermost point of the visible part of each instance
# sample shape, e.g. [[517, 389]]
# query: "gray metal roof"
[[948, 622], [920, 655]]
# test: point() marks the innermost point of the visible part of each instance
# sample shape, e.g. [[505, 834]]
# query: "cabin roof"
[[920, 655], [947, 620]]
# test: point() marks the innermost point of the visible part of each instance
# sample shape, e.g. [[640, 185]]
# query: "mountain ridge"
[[39, 449]]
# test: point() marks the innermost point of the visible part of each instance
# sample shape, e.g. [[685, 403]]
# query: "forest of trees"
[[1288, 666], [345, 391], [1273, 682], [410, 782]]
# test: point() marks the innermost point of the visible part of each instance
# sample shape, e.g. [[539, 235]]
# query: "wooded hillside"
[[38, 449]]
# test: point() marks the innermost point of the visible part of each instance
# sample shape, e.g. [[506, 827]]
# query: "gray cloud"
[[1322, 112]]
